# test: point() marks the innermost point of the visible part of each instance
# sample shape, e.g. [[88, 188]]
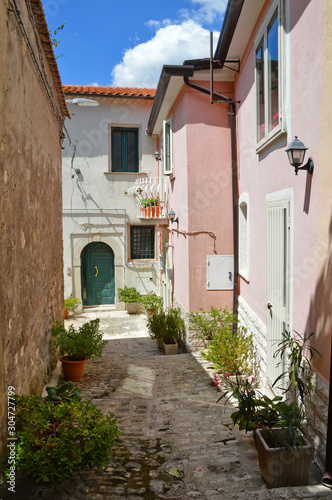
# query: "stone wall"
[[31, 289]]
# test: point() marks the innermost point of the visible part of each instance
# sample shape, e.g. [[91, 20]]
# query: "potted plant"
[[151, 206], [174, 328], [70, 304], [77, 346], [152, 303], [56, 440], [131, 297], [283, 450], [157, 327]]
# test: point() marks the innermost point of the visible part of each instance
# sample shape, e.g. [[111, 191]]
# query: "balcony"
[[149, 195]]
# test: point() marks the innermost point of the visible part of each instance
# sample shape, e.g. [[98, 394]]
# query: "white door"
[[278, 273]]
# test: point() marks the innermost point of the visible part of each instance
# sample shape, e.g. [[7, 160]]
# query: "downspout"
[[224, 99]]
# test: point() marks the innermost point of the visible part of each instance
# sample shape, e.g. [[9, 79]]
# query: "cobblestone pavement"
[[167, 413]]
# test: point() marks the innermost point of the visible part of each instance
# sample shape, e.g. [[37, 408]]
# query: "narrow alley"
[[169, 420]]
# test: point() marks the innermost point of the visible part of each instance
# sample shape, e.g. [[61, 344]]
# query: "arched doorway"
[[97, 273]]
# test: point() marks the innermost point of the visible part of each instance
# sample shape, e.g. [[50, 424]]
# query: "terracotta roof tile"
[[109, 91]]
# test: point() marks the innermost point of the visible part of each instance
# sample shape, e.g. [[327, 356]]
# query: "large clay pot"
[[280, 467], [72, 370], [132, 307]]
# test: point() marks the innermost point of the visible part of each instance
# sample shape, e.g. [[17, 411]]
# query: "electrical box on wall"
[[145, 285], [220, 272]]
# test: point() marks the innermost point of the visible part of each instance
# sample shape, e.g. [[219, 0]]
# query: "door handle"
[[269, 306], [96, 268]]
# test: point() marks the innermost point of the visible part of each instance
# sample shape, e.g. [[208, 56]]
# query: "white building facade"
[[109, 241]]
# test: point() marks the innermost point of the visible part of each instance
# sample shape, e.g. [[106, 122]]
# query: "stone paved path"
[[167, 413]]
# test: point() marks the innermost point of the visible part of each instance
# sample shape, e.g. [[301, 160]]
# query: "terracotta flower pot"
[[72, 370], [66, 313]]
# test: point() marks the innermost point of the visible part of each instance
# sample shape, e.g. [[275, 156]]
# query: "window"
[[142, 242], [168, 146], [269, 85], [124, 147], [244, 236]]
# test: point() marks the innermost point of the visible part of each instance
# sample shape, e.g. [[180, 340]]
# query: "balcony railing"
[[149, 195]]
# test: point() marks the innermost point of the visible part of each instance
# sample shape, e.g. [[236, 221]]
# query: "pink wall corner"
[[202, 195]]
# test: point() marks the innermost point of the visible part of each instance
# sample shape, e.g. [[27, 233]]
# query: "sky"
[[126, 42]]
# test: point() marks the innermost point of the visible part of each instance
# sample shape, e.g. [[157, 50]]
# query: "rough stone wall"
[[31, 269]]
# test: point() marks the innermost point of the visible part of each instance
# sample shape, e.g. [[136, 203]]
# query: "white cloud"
[[208, 10], [172, 44]]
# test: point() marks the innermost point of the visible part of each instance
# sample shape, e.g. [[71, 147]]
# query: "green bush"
[[230, 349], [167, 325], [152, 302], [129, 295], [86, 342], [71, 303], [56, 440]]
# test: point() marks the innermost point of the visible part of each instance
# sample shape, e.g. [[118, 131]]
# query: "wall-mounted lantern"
[[171, 215], [296, 152]]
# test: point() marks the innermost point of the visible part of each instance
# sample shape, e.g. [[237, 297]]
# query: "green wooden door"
[[98, 285]]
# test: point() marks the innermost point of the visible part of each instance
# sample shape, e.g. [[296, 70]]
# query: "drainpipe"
[[224, 99]]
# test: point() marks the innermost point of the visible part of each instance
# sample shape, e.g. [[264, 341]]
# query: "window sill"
[[266, 143], [137, 174]]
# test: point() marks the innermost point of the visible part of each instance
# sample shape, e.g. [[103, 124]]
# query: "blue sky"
[[126, 43]]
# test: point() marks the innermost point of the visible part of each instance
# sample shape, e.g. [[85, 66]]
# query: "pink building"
[[273, 61], [195, 143]]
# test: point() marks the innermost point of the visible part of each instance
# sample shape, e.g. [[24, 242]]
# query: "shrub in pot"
[[131, 297], [152, 303], [71, 304], [78, 345], [56, 440], [283, 451], [230, 349], [157, 327]]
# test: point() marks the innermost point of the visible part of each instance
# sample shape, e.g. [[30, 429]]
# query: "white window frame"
[[279, 129], [244, 237], [168, 125]]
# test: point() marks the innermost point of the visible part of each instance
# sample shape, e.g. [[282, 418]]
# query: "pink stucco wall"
[[201, 195], [269, 172]]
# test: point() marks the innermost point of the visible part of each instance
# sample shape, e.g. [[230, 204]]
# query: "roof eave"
[[231, 18], [167, 73]]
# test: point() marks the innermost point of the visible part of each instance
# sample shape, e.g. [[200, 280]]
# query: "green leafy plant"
[[297, 354], [151, 202], [231, 350], [64, 392], [85, 342], [55, 41], [281, 419], [204, 324], [129, 295], [166, 325], [71, 303], [152, 302], [56, 440]]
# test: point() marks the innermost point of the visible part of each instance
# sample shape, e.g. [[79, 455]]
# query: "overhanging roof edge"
[[167, 72]]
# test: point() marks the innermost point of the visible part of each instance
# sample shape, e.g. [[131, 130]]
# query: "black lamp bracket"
[[309, 166]]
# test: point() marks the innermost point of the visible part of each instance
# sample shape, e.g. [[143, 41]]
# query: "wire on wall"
[[40, 66]]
